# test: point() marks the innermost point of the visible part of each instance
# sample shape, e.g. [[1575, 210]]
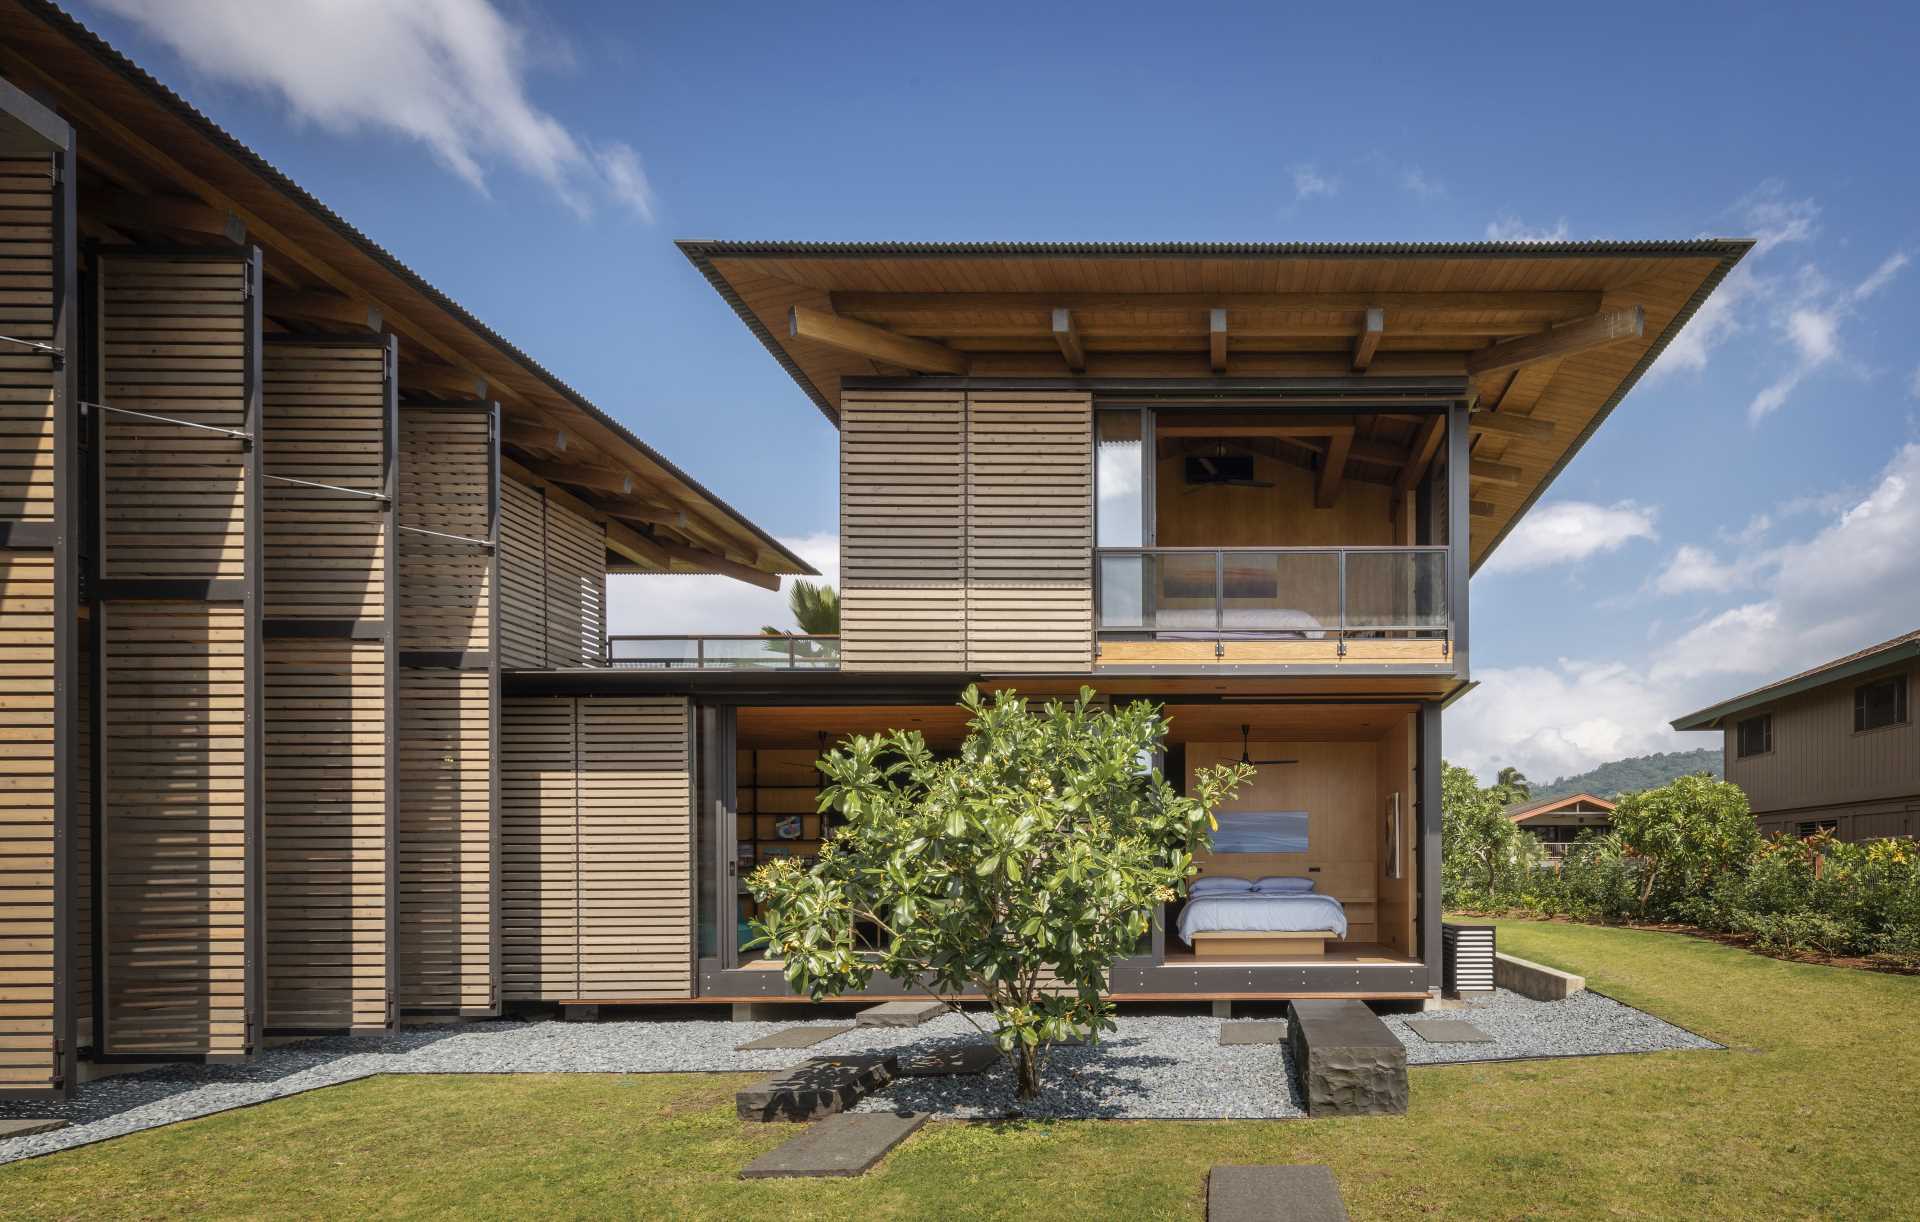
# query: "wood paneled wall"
[[179, 337], [446, 831], [553, 580], [330, 414], [597, 833], [966, 528], [36, 625], [1819, 761]]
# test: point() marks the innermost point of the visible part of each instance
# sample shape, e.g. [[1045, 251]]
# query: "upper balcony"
[[1264, 606], [724, 652]]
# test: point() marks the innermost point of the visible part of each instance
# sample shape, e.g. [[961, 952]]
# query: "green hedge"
[[1686, 853]]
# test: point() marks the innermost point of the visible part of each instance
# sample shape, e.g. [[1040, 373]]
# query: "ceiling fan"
[[1243, 750], [1216, 478]]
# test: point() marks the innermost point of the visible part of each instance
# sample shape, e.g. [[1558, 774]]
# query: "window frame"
[[1739, 736], [1903, 712]]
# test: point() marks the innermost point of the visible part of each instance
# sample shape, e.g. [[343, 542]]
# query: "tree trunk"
[[1026, 1070]]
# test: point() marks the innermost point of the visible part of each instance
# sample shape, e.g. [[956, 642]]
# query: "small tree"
[[1482, 852], [1022, 868], [1686, 832]]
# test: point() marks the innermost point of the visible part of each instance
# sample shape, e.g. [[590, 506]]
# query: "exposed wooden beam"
[[443, 380], [1217, 339], [1378, 452], [1497, 472], [669, 516], [600, 479], [875, 343], [1246, 364], [1067, 335], [529, 435], [132, 210], [1426, 442], [624, 540], [719, 564], [1253, 426], [1480, 509], [1511, 424], [1563, 304], [323, 307], [1333, 468], [1369, 339], [1594, 331]]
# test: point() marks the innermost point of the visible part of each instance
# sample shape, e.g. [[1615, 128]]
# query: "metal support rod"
[[441, 534], [307, 483], [35, 344], [185, 424]]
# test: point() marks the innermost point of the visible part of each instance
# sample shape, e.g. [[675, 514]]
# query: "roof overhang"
[[1549, 336], [1710, 718], [150, 151], [1556, 805]]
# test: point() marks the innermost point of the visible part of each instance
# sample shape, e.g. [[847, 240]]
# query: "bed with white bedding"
[[1228, 918], [1243, 623]]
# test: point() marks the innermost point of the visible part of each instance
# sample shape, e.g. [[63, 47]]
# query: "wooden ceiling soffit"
[[442, 380], [535, 437], [874, 343], [1554, 304], [707, 561], [1511, 424], [1594, 331]]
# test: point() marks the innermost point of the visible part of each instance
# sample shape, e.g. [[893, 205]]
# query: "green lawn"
[[1813, 1114]]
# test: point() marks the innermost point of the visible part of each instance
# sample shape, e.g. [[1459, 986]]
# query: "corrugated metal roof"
[[1906, 645], [114, 59]]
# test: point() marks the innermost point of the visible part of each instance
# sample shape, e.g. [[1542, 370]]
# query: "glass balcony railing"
[[1193, 593], [740, 652]]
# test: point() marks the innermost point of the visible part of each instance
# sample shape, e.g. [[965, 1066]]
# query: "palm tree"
[[1514, 782], [816, 609]]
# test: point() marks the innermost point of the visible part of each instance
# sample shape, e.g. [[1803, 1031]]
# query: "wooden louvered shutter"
[[902, 530]]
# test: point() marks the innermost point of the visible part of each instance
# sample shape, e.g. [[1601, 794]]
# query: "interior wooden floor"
[[1350, 952]]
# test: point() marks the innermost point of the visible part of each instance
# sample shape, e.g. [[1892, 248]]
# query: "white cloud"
[[1416, 182], [668, 603], [1713, 324], [1850, 583], [1888, 269], [1308, 182], [1774, 220], [1569, 531], [1510, 228], [450, 74], [1695, 570]]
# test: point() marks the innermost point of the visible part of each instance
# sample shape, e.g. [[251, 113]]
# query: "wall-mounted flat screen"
[[1261, 831]]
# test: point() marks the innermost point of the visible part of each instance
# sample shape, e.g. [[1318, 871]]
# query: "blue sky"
[[1750, 509]]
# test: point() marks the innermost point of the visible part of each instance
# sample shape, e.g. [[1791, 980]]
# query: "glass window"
[[1883, 703], [1118, 480], [1755, 735]]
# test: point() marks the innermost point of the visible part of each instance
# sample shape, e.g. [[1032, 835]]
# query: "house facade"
[[1559, 822], [312, 722], [1831, 749]]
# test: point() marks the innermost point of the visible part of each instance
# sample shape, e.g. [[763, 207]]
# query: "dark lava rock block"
[[1349, 1062], [823, 1086]]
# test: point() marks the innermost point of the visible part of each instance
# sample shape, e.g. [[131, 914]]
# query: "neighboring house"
[[1558, 822], [1831, 749], [311, 723]]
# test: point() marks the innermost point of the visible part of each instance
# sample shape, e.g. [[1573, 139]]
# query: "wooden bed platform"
[[1224, 944]]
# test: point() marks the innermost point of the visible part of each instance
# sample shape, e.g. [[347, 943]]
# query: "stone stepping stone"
[[848, 1144], [1449, 1031], [794, 1037], [900, 1014], [27, 1128], [1262, 1031], [1274, 1194], [822, 1086], [950, 1062]]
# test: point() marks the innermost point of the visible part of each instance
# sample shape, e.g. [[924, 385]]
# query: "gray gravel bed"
[[1586, 1024], [1152, 1067]]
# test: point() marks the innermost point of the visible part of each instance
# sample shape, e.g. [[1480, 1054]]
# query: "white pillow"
[[1278, 884], [1219, 886]]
